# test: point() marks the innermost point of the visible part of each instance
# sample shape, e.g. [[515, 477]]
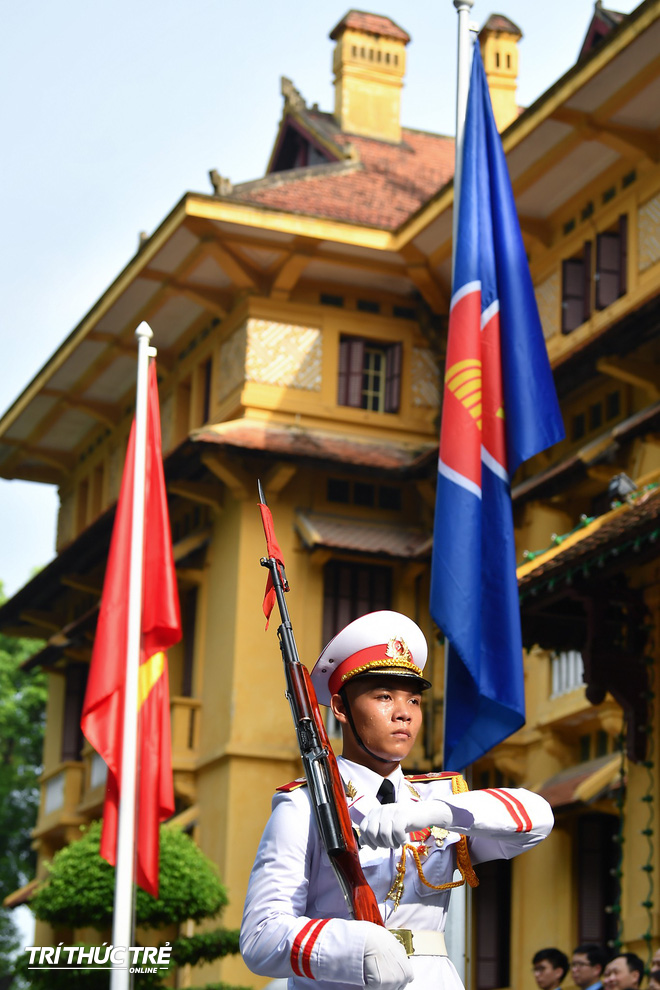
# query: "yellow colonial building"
[[300, 322]]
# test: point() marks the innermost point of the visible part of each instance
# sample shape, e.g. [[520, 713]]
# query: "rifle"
[[326, 788]]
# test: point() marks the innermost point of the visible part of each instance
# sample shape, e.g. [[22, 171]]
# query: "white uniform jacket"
[[296, 923]]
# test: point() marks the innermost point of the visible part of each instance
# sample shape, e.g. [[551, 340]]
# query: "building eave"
[[628, 532], [297, 224], [541, 110], [128, 274]]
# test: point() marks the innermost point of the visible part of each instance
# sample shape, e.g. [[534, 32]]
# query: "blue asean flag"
[[499, 408]]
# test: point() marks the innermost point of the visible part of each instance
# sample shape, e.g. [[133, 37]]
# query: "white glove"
[[388, 824], [386, 965]]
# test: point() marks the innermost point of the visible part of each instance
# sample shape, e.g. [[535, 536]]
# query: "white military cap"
[[376, 643]]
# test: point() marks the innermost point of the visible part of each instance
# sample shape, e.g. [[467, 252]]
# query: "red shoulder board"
[[292, 785], [420, 778]]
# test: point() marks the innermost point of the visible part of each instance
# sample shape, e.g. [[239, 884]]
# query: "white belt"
[[421, 943]]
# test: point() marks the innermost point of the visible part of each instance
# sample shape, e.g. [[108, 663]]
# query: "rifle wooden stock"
[[326, 788]]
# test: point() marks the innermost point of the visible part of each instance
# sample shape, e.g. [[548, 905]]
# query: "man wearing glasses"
[[587, 966]]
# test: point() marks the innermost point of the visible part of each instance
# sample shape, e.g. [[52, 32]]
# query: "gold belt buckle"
[[405, 936]]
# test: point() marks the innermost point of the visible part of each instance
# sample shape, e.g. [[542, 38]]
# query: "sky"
[[112, 110]]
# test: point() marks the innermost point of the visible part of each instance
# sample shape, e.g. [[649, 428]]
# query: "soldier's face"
[[387, 716]]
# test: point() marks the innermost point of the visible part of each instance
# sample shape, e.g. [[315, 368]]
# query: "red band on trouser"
[[308, 932]]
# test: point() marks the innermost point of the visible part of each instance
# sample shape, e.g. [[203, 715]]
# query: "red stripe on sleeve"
[[295, 949], [311, 942], [523, 811], [510, 807]]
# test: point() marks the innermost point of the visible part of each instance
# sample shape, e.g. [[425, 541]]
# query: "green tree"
[[22, 717], [79, 893]]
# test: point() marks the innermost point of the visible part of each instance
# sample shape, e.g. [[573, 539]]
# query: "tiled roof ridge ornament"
[[293, 99], [222, 185]]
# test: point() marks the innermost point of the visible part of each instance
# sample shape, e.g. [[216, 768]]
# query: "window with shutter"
[[352, 590], [188, 620], [351, 362], [373, 378], [576, 290], [393, 377], [597, 856], [609, 279], [349, 591], [72, 737], [369, 375], [611, 263]]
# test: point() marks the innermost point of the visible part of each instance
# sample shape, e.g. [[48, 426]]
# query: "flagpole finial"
[[144, 330]]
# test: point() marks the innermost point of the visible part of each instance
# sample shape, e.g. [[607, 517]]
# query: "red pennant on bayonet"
[[273, 550]]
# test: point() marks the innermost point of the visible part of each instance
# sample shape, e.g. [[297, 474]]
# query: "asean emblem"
[[464, 381]]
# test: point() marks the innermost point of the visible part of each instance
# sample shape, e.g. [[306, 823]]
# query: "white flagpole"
[[464, 66], [122, 921], [462, 87], [459, 920]]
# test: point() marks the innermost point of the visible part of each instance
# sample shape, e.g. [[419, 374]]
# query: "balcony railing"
[[61, 789], [185, 718], [98, 771], [567, 673], [73, 791]]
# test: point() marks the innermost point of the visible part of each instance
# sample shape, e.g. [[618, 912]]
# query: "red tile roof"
[[382, 188], [633, 522], [498, 22], [563, 789], [322, 530], [360, 20], [299, 443]]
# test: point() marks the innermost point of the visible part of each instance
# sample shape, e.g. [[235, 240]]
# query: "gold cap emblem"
[[397, 649]]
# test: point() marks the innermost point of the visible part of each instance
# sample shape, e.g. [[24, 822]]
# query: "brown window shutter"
[[352, 590], [188, 618], [72, 737], [595, 880], [573, 294], [608, 268], [586, 311], [351, 364], [393, 378], [493, 924], [342, 378], [623, 254]]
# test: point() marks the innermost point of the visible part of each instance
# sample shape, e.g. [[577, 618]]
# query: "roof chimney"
[[369, 63], [498, 40]]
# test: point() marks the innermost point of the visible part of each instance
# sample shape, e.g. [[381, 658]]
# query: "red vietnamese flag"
[[103, 710]]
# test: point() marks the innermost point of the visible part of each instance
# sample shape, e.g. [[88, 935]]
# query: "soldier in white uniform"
[[414, 833]]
